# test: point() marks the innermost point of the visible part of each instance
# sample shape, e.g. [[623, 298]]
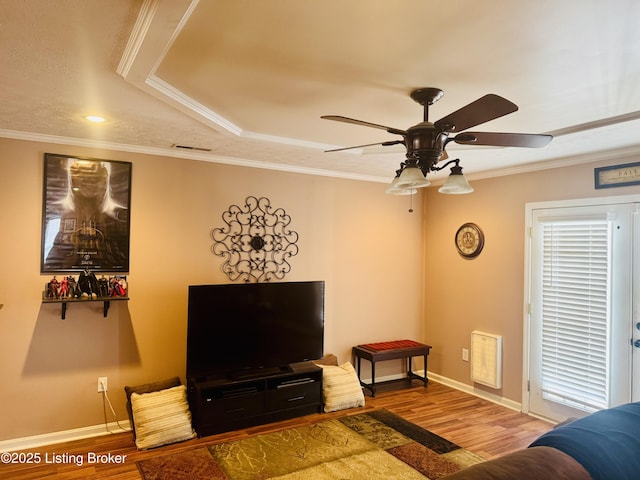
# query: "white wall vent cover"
[[486, 359]]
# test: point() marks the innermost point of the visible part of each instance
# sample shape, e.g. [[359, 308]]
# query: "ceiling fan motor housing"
[[425, 143]]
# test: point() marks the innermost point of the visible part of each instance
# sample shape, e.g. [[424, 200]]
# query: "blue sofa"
[[602, 446]]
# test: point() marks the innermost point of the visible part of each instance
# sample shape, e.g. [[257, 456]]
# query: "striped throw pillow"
[[340, 387], [161, 417]]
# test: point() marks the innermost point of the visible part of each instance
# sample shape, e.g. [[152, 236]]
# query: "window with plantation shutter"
[[575, 294]]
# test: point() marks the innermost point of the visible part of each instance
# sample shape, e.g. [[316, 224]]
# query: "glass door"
[[581, 309]]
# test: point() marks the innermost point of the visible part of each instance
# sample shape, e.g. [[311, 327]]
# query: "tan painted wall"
[[487, 293], [362, 242], [389, 274]]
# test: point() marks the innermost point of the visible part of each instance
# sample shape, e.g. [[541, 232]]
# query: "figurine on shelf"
[[52, 288], [118, 286], [88, 284], [74, 291], [103, 286], [64, 287]]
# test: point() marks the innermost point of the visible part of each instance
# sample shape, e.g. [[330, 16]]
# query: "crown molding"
[[601, 156], [186, 155]]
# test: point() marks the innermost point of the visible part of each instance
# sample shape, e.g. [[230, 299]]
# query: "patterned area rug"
[[368, 446]]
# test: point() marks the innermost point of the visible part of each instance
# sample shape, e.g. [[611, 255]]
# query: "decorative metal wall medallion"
[[255, 242]]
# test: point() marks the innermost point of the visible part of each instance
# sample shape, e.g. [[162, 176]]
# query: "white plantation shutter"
[[575, 295]]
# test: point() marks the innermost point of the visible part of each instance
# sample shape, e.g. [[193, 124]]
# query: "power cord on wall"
[[105, 402]]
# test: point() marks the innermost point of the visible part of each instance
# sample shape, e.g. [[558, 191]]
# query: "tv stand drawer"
[[294, 396], [231, 391], [234, 407]]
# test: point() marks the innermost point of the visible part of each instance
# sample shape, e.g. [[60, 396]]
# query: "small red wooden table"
[[378, 352]]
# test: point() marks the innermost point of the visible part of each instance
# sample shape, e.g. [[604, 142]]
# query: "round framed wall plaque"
[[469, 240]]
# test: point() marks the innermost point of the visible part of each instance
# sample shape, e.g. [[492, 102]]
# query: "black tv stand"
[[258, 372], [229, 402]]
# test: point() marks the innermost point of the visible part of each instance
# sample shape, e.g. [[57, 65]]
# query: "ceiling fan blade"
[[384, 144], [482, 110], [503, 139], [339, 118]]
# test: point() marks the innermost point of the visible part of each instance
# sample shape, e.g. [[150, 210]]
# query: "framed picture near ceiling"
[[85, 215], [617, 175]]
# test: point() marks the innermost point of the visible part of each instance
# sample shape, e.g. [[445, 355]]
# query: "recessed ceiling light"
[[94, 118]]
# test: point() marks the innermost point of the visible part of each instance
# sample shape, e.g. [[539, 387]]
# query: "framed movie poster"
[[85, 217]]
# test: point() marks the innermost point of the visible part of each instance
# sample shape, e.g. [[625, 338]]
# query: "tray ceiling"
[[245, 82]]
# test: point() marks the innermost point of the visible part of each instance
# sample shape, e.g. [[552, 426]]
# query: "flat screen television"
[[244, 330]]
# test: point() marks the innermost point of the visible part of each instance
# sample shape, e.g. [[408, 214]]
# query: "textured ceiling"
[[246, 81]]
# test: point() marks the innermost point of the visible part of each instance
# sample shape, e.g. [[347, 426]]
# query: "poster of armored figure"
[[86, 212]]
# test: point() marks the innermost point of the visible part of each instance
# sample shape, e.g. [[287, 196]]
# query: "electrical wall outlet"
[[465, 354], [102, 384]]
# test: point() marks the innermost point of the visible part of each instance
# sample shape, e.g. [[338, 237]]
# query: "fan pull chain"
[[411, 203]]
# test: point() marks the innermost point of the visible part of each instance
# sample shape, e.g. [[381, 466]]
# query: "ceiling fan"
[[426, 141]]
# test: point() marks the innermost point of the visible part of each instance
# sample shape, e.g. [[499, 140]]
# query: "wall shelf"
[[105, 300]]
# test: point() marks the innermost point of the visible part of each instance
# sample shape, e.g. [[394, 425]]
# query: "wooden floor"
[[478, 425]]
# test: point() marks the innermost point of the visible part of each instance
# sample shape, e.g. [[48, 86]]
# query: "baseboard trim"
[[64, 436], [505, 402]]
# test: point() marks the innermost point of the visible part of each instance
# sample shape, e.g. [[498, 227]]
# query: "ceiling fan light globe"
[[400, 191], [393, 189], [456, 184], [412, 177]]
